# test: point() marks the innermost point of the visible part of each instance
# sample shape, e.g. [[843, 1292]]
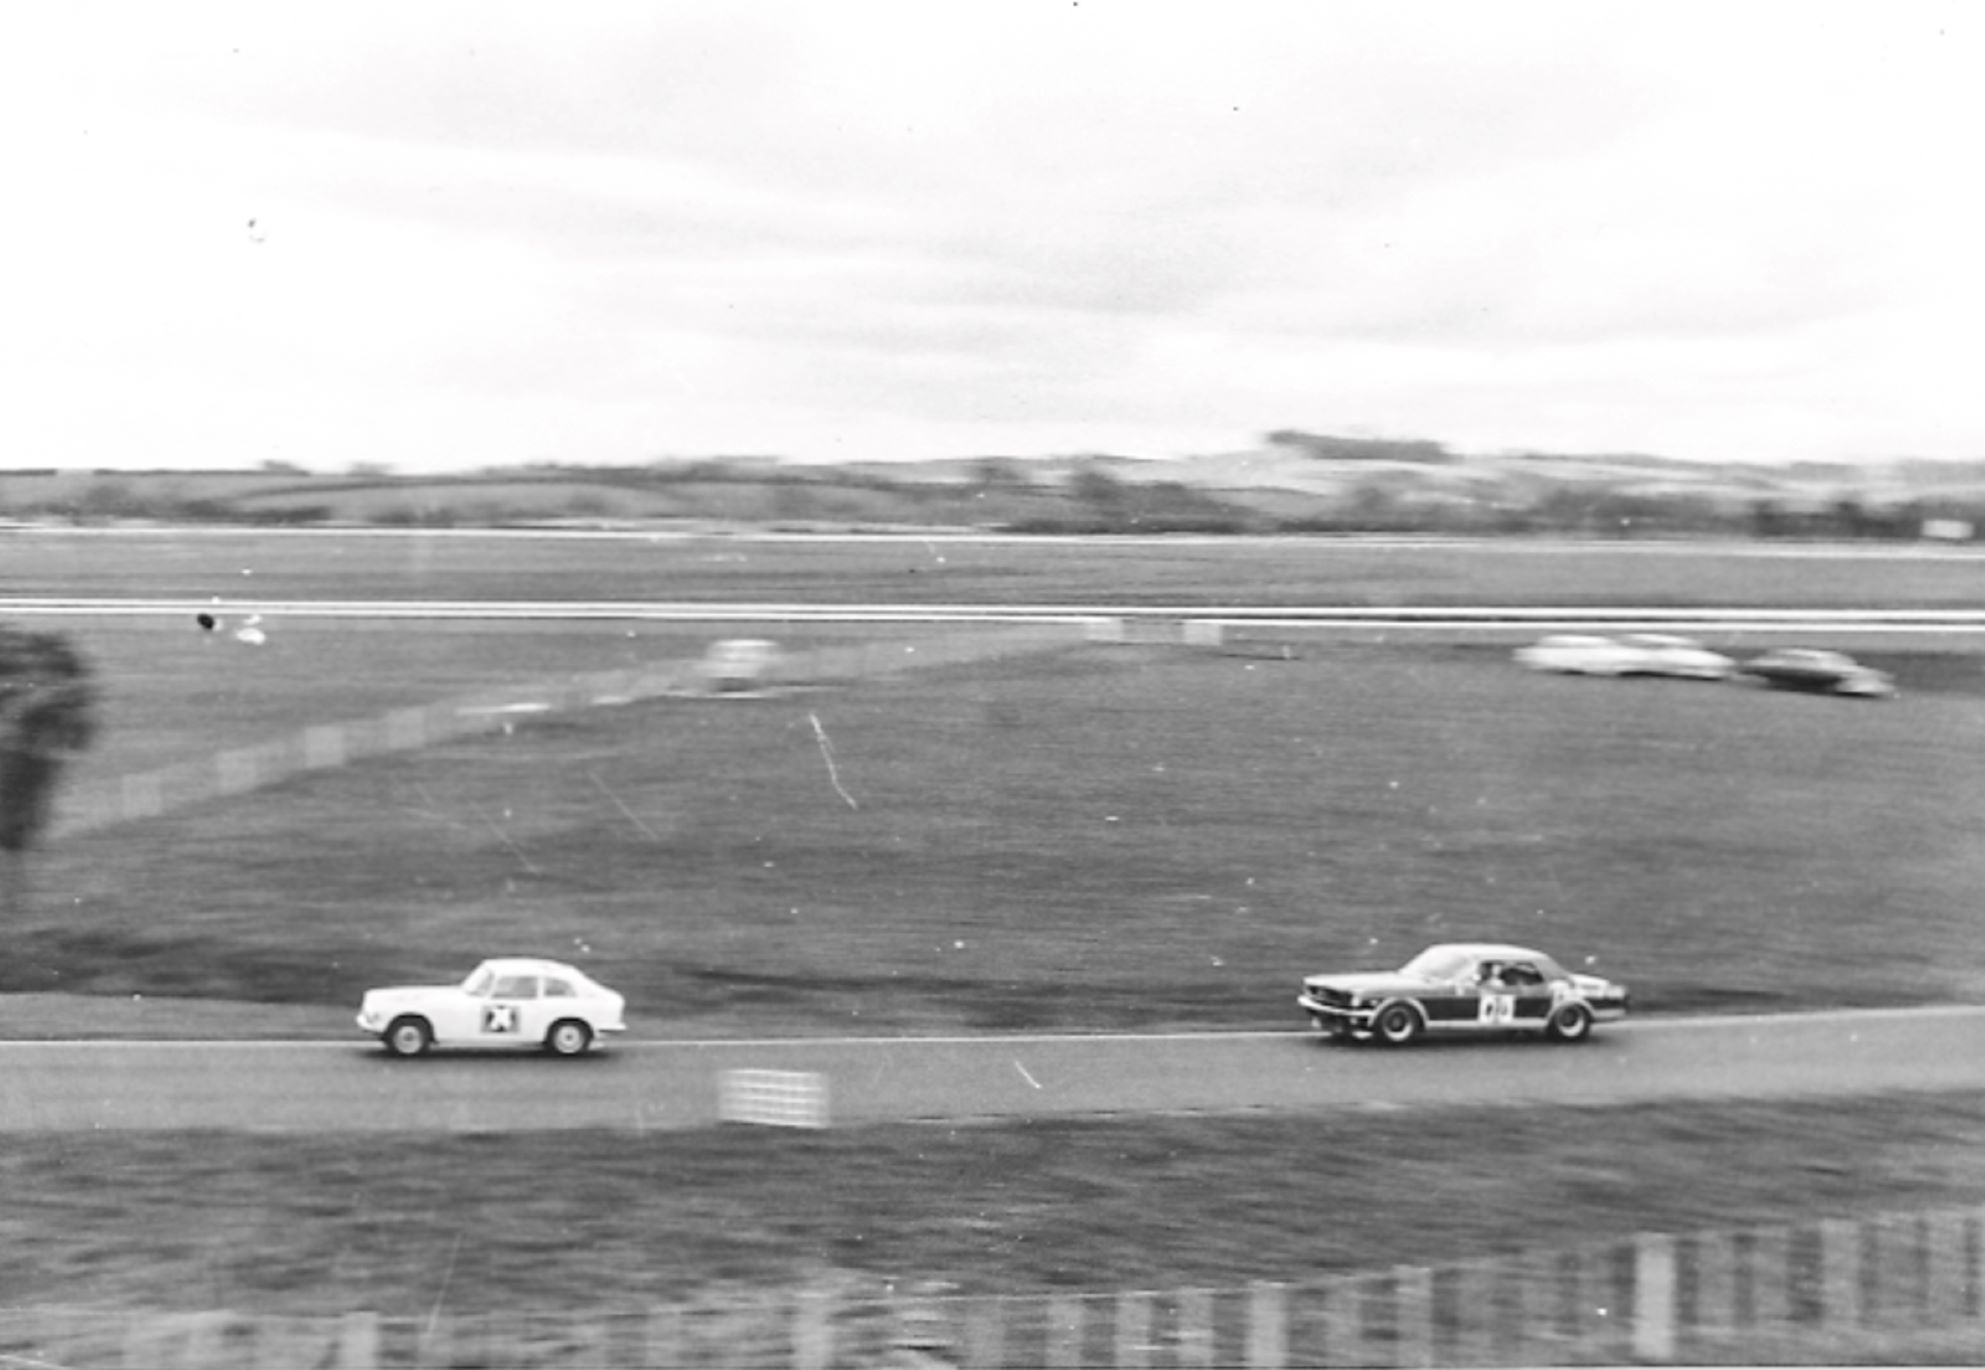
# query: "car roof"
[[529, 965], [1503, 949]]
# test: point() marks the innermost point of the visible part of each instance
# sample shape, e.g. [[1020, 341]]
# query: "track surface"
[[317, 1087]]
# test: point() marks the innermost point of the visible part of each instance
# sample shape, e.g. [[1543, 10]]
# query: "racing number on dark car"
[[1497, 1008]]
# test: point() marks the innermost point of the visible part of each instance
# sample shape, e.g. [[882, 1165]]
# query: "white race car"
[[509, 1002]]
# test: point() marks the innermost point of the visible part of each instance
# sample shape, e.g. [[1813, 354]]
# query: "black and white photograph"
[[955, 685]]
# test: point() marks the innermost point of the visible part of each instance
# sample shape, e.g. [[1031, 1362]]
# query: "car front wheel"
[[1397, 1024], [568, 1037], [1572, 1023], [408, 1037]]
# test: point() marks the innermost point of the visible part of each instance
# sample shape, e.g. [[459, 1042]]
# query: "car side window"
[[1522, 974], [558, 989], [1489, 972], [515, 987]]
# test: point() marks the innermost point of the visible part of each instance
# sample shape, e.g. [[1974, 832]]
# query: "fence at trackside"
[[1897, 1287], [239, 770]]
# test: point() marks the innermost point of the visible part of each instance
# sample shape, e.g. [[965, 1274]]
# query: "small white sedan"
[[1579, 654], [1666, 654], [509, 1002]]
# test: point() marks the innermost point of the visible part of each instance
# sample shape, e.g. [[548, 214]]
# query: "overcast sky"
[[450, 235]]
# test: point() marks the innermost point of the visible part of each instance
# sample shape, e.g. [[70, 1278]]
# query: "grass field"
[[614, 1220], [914, 570], [1102, 837]]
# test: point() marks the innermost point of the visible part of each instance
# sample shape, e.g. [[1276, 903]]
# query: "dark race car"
[[1463, 987], [1819, 672]]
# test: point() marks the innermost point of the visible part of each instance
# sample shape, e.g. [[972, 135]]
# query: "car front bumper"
[[1354, 1017]]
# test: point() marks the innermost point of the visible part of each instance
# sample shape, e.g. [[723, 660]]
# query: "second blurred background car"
[[1819, 672]]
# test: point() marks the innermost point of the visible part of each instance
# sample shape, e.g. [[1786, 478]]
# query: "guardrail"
[[1898, 1286], [239, 770]]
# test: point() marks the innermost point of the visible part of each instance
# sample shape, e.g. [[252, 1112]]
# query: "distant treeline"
[[1092, 498]]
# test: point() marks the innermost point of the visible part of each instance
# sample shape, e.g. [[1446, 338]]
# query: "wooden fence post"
[[1195, 1329], [358, 1342], [1064, 1332], [813, 1329], [1133, 1330], [1771, 1278], [1268, 1326], [1715, 1270], [1654, 1297], [985, 1329], [1840, 1273], [1413, 1316], [1476, 1303]]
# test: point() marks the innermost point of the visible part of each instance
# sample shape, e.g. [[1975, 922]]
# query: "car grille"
[[1335, 998]]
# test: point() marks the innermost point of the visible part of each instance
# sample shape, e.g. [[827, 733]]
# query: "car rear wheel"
[[1397, 1024], [568, 1037], [1572, 1023], [408, 1036]]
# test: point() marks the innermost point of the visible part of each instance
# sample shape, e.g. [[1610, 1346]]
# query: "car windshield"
[[1437, 963], [478, 981]]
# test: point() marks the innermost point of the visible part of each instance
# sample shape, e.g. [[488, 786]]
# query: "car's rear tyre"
[[1397, 1024], [568, 1037], [1572, 1023], [408, 1036]]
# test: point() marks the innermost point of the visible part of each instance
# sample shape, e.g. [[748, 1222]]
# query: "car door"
[[1529, 993], [1492, 1002], [560, 1000], [1455, 1004], [509, 1012]]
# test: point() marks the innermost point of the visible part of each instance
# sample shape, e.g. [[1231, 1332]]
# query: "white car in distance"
[[505, 1003], [1659, 654], [1578, 654], [1666, 654]]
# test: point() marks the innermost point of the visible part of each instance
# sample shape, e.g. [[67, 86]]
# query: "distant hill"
[[1291, 482]]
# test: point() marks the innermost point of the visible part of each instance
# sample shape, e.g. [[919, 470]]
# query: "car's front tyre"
[[408, 1036], [568, 1037], [1572, 1023], [1397, 1024]]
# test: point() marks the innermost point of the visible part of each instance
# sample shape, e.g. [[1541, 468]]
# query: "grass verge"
[[618, 1220]]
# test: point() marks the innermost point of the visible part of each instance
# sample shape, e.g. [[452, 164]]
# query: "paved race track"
[[314, 1087]]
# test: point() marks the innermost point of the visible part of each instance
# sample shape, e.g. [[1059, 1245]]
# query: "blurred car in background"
[[1819, 672], [1683, 657], [1578, 654], [508, 1002], [1463, 987], [739, 665], [1661, 654]]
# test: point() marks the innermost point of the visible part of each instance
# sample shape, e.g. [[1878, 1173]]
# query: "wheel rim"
[[408, 1039], [1396, 1025], [568, 1039], [1574, 1023]]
